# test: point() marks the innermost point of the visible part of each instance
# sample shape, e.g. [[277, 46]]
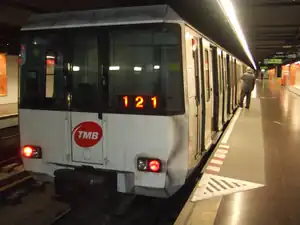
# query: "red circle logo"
[[87, 134]]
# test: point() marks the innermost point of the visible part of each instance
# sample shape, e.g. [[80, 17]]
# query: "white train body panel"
[[136, 135], [113, 141]]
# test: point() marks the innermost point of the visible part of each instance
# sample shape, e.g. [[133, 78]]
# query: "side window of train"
[[196, 66], [220, 73], [225, 73], [85, 80], [206, 68]]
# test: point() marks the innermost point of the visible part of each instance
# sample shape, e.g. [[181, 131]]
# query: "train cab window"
[[85, 76], [146, 61], [42, 83], [207, 65]]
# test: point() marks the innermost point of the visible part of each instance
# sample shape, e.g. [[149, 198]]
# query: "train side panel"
[[192, 61]]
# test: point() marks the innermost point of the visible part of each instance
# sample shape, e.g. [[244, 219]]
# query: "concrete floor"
[[270, 132]]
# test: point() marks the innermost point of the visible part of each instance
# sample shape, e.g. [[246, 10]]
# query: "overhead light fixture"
[[137, 68], [114, 68], [76, 68], [228, 9]]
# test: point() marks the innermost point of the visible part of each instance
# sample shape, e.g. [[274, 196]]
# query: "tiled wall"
[[13, 81]]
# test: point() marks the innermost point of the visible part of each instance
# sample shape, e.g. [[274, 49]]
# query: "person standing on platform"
[[248, 83]]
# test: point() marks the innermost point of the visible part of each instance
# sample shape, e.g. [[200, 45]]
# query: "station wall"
[[9, 79], [291, 75]]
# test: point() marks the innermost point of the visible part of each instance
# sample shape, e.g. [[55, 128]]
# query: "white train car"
[[134, 93]]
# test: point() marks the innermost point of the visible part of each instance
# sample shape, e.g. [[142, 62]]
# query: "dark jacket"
[[248, 82]]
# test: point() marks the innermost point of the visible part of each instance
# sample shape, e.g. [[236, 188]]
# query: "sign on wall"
[[272, 61], [3, 75]]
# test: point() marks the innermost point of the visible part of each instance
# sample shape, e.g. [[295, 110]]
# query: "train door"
[[196, 59], [225, 89], [221, 89], [207, 63], [238, 81], [43, 87], [233, 84], [193, 79], [87, 126], [229, 88], [216, 90]]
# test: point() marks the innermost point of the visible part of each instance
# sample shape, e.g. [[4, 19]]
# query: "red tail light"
[[154, 165], [32, 152], [149, 165]]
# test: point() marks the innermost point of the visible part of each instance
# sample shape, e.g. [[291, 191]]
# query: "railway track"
[[120, 209], [109, 209], [141, 210], [9, 146]]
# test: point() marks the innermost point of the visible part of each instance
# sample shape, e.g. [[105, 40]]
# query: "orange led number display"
[[125, 98], [140, 102], [154, 102]]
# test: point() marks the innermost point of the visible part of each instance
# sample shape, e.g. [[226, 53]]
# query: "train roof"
[[106, 17], [103, 17]]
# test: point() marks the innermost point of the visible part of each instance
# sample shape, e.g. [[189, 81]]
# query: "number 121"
[[139, 102]]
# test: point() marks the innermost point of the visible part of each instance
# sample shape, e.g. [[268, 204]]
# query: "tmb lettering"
[[88, 135]]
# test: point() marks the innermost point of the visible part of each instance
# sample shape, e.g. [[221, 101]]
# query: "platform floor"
[[8, 115], [253, 177], [8, 109], [294, 89]]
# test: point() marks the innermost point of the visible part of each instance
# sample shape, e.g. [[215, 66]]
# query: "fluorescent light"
[[50, 57], [114, 68], [137, 68], [157, 67], [76, 68], [229, 11]]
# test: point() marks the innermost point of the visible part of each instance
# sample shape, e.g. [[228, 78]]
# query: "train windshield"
[[117, 69]]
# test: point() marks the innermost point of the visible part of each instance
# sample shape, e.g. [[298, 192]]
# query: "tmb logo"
[[87, 134]]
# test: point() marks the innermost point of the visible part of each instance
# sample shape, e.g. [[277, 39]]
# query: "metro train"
[[135, 93]]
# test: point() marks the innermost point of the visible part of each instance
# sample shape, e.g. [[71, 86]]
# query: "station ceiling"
[[270, 26]]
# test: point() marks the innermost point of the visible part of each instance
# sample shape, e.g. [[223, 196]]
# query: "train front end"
[[101, 101]]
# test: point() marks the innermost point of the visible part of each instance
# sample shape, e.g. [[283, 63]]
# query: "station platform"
[[294, 89], [8, 115], [252, 177]]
